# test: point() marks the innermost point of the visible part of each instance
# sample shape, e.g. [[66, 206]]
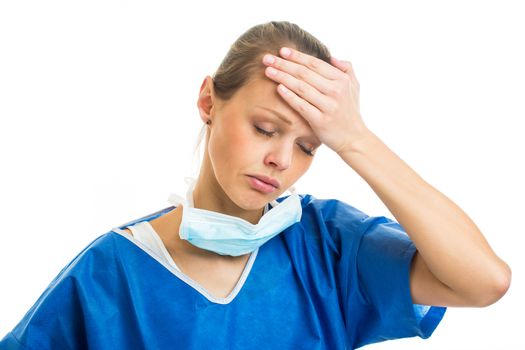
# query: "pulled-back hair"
[[243, 61]]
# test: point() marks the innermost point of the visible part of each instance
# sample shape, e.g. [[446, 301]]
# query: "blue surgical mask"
[[230, 235]]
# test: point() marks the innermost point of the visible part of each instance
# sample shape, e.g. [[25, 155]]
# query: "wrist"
[[358, 143]]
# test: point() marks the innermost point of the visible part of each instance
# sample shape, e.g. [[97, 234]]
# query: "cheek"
[[300, 166], [237, 141], [233, 146], [306, 166]]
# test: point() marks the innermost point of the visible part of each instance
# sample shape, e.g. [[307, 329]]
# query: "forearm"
[[453, 248]]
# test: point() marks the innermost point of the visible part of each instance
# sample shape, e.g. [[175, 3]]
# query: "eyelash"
[[270, 134]]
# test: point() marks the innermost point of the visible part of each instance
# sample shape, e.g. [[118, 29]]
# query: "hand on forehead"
[[326, 95]]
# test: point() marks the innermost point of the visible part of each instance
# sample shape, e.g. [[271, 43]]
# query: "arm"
[[454, 264]]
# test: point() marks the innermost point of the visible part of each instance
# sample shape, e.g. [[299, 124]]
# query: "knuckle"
[[302, 73], [301, 87], [332, 107], [303, 108], [349, 65], [346, 78], [330, 89], [314, 65]]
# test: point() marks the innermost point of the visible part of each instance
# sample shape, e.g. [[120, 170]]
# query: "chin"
[[249, 199], [254, 202]]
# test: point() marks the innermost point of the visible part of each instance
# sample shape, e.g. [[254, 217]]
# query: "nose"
[[280, 155]]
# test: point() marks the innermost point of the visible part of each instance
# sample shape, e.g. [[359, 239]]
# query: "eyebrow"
[[282, 117]]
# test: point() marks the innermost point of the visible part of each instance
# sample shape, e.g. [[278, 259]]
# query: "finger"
[[315, 64], [301, 72], [299, 87], [305, 109], [344, 66]]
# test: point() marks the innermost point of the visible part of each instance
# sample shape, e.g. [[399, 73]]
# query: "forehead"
[[262, 92]]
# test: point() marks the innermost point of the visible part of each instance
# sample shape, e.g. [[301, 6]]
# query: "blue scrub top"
[[338, 279]]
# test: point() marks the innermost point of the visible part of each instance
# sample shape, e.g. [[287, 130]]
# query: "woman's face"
[[255, 134]]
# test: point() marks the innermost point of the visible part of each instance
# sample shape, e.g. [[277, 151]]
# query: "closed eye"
[[271, 133], [264, 132]]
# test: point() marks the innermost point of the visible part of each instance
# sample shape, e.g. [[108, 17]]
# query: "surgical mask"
[[230, 235]]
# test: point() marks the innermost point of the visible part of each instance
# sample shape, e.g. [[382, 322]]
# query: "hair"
[[243, 61]]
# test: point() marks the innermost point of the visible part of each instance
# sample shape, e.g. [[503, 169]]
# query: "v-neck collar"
[[186, 279]]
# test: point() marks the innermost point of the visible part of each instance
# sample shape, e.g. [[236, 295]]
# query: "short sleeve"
[[383, 263]]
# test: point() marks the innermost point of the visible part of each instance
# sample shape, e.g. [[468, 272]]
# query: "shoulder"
[[329, 225], [73, 296], [100, 252], [88, 268], [333, 213], [341, 215], [329, 206]]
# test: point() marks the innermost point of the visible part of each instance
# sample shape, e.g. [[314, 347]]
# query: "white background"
[[99, 119]]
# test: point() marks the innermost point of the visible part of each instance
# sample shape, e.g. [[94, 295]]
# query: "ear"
[[206, 103]]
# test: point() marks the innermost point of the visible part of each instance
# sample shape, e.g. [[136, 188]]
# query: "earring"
[[208, 122]]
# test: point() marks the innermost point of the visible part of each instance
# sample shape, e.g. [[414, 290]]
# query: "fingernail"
[[285, 51], [268, 59], [283, 89], [271, 71]]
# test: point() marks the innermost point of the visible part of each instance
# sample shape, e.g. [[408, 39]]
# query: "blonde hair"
[[244, 59]]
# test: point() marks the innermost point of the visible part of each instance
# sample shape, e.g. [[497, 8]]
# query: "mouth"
[[269, 180], [263, 183]]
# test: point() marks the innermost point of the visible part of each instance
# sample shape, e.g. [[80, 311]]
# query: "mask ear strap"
[[189, 193], [175, 199], [189, 180]]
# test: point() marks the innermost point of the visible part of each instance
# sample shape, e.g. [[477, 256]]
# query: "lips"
[[269, 180]]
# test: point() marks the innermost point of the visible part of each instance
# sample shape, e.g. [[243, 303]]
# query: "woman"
[[237, 265]]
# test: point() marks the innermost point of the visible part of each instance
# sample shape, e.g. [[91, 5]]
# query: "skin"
[[454, 265], [235, 148]]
